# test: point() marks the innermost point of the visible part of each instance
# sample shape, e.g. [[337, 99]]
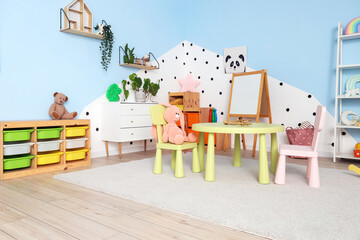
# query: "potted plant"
[[143, 90], [151, 88], [129, 54], [106, 44]]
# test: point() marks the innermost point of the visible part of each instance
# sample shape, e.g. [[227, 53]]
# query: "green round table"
[[254, 128]]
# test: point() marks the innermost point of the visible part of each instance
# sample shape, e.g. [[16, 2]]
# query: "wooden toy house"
[[80, 16]]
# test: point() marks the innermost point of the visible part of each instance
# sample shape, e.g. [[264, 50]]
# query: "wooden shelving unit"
[[38, 169], [340, 99]]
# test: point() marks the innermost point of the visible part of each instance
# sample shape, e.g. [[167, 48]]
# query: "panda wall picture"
[[235, 59]]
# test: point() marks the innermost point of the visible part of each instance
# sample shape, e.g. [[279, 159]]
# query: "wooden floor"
[[40, 207]]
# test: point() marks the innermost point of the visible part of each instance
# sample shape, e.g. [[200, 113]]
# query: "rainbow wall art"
[[353, 26]]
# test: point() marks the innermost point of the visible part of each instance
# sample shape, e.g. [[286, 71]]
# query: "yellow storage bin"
[[48, 158], [76, 131], [76, 154]]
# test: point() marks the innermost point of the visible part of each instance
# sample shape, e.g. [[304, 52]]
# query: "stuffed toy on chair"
[[57, 109], [172, 133]]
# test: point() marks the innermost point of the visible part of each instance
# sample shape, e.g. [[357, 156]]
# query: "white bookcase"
[[340, 98]]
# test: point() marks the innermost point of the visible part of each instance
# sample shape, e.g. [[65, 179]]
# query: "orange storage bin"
[[192, 118]]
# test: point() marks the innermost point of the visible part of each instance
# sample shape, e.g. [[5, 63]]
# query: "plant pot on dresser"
[[125, 122]]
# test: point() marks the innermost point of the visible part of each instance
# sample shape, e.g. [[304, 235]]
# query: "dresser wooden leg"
[[107, 148], [145, 145], [120, 150]]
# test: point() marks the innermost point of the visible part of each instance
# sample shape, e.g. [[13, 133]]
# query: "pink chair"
[[310, 152]]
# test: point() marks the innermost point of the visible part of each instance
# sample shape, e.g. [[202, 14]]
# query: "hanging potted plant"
[[106, 45]]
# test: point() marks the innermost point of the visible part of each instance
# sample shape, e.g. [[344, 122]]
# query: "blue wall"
[[295, 41], [37, 60]]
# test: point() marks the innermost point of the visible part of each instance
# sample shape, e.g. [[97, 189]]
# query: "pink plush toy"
[[172, 133]]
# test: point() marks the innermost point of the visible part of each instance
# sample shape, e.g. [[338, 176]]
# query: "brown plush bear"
[[57, 110]]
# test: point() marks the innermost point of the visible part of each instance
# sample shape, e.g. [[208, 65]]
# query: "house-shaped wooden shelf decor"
[[78, 20]]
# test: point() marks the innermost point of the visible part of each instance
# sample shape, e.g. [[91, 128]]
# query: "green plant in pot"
[[129, 56], [106, 45], [151, 88], [144, 90], [136, 84]]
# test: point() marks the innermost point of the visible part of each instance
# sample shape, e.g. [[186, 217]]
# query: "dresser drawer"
[[135, 109], [134, 134], [135, 121]]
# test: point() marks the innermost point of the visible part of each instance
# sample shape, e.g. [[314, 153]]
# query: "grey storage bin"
[[46, 146], [76, 143], [18, 148]]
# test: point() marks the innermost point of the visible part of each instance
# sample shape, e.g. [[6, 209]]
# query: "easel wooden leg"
[[225, 142], [145, 145], [120, 150], [254, 146], [243, 141], [107, 148]]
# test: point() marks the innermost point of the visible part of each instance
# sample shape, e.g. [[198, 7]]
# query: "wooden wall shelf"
[[132, 65], [38, 169], [81, 33]]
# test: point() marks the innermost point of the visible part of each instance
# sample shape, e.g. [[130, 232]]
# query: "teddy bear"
[[57, 109], [172, 133]]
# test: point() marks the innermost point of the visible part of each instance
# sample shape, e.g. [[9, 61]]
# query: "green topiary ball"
[[113, 92]]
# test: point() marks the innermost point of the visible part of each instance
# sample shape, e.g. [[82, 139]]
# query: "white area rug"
[[236, 199]]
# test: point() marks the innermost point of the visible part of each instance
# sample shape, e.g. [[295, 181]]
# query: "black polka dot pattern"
[[222, 113], [343, 133], [332, 144], [87, 113], [288, 109], [314, 113], [309, 96], [131, 143], [146, 71], [163, 60], [212, 79], [210, 105], [194, 59], [97, 129], [150, 140], [206, 62], [202, 91], [220, 93], [281, 84]]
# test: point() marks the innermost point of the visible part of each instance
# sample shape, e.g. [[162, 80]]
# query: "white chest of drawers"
[[125, 122]]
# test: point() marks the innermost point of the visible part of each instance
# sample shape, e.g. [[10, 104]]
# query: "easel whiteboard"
[[249, 98], [245, 94]]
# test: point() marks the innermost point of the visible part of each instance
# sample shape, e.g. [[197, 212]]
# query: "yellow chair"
[[157, 118]]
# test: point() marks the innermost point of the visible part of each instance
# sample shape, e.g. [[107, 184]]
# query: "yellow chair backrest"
[[157, 119], [157, 115]]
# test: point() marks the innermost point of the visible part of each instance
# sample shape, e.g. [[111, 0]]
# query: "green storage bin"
[[19, 161], [46, 133], [17, 135]]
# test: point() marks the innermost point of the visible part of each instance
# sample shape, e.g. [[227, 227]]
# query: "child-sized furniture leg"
[[210, 160], [237, 151], [179, 167], [274, 152], [202, 150], [263, 163], [195, 161], [281, 170], [173, 159], [314, 179], [158, 162]]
